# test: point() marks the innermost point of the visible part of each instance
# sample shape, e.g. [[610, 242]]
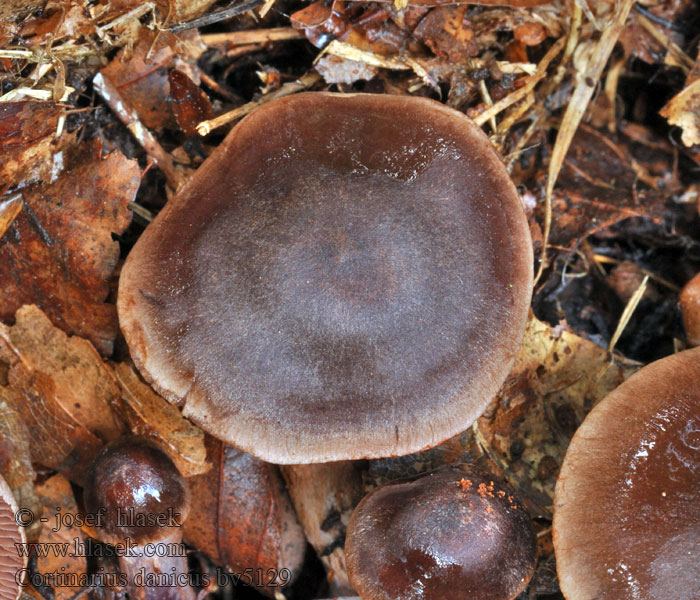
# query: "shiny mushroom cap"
[[454, 534], [627, 502], [11, 561], [346, 276], [136, 492]]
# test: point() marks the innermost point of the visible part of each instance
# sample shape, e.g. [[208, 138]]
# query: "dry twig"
[[289, 88], [105, 88]]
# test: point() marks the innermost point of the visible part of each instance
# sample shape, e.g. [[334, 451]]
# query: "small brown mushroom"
[[627, 501], [453, 534], [12, 561], [690, 310], [346, 276], [140, 500]]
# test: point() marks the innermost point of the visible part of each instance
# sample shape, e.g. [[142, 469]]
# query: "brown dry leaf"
[[321, 22], [445, 30], [58, 19], [324, 496], [16, 461], [147, 414], [637, 40], [556, 380], [597, 188], [458, 449], [683, 110], [26, 132], [57, 498], [58, 442], [16, 9], [62, 389], [82, 382], [189, 103], [241, 516], [141, 77], [59, 252]]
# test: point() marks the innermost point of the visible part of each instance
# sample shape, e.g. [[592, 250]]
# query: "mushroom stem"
[[158, 570]]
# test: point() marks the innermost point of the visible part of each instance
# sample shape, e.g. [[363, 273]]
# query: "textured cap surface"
[[454, 534], [627, 502], [347, 276]]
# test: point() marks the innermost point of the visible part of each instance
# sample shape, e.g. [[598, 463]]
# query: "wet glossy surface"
[[136, 492], [628, 499], [454, 534]]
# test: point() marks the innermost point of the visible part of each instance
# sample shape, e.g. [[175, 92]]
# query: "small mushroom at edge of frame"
[[140, 501], [627, 501], [12, 561], [341, 262], [690, 310], [453, 534]]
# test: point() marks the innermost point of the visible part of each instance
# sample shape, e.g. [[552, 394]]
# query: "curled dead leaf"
[[241, 516], [683, 110]]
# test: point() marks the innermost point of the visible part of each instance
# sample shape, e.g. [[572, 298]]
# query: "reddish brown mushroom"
[[12, 561], [347, 276], [140, 499], [627, 502], [690, 310], [454, 534]]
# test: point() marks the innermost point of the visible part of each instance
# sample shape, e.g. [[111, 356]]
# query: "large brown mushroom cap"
[[454, 534], [11, 560], [627, 502], [347, 276]]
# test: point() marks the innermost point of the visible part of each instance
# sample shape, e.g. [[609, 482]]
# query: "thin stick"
[[9, 209], [215, 17], [213, 84], [487, 99], [135, 13], [627, 313], [265, 8], [141, 211], [289, 88], [522, 92], [685, 61], [252, 36], [105, 88]]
